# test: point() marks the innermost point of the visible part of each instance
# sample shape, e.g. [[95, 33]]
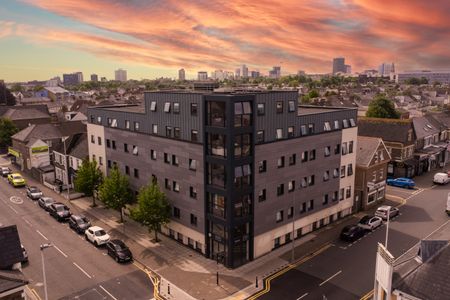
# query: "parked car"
[[370, 222], [119, 251], [351, 233], [45, 202], [401, 182], [441, 178], [79, 223], [5, 171], [96, 235], [384, 210], [33, 193], [25, 254], [16, 180], [59, 211]]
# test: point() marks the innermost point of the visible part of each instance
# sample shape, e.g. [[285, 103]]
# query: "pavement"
[[184, 274]]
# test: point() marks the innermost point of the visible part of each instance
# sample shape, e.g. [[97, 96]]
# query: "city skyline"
[[43, 38]]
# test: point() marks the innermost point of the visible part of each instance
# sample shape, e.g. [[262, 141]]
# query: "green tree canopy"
[[89, 177], [115, 191], [7, 129], [153, 209], [381, 107]]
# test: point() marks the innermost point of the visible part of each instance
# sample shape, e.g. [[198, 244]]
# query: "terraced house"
[[245, 171]]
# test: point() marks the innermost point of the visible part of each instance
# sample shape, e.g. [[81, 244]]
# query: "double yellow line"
[[153, 279], [367, 296], [286, 269]]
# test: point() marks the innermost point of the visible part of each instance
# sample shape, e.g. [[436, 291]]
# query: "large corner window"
[[216, 175], [242, 114], [242, 176], [217, 144], [242, 145], [217, 205], [216, 113]]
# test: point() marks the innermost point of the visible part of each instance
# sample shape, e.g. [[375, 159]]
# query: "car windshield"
[[34, 189], [82, 221], [365, 219], [49, 200], [100, 232], [17, 177], [347, 229], [60, 208], [121, 247]]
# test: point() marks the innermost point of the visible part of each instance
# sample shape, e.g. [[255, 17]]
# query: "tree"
[[153, 209], [115, 192], [7, 129], [6, 96], [381, 107], [89, 177]]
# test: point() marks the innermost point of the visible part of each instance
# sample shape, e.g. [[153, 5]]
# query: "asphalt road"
[[346, 271], [75, 269]]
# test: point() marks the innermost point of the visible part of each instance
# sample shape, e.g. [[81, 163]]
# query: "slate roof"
[[10, 250], [429, 280], [367, 146], [10, 280], [76, 146], [28, 113], [49, 131], [391, 130], [423, 127]]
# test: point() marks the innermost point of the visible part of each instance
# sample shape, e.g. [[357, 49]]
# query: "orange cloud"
[[303, 34]]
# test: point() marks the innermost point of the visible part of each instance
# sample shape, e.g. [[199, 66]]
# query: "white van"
[[441, 178]]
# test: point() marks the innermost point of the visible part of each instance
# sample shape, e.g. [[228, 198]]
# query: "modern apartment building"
[[181, 75], [339, 65], [241, 169], [120, 75]]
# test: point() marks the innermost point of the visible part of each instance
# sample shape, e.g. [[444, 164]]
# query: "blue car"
[[401, 182]]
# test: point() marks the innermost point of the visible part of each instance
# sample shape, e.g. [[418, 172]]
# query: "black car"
[[33, 193], [59, 211], [119, 251], [351, 233], [79, 223]]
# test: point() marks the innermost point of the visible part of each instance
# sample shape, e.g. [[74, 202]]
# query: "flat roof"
[[311, 110], [123, 108]]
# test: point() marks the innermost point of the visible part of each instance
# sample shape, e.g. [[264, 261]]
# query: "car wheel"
[[117, 259], [86, 238], [95, 243]]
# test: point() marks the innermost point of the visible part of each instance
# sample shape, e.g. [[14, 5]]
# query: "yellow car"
[[15, 179]]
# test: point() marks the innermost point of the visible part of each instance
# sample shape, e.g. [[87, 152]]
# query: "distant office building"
[[202, 75], [54, 82], [348, 69], [275, 72], [255, 74], [94, 77], [385, 69], [431, 76], [181, 75], [339, 65], [120, 75], [244, 71], [73, 78], [237, 73]]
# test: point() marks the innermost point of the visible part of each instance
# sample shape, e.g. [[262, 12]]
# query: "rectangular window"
[[349, 169], [169, 131], [167, 183], [337, 149], [291, 186], [100, 161], [127, 170], [342, 171], [176, 186], [262, 195], [291, 106], [311, 180], [108, 121], [99, 120], [312, 154], [153, 154], [280, 189], [136, 126], [194, 135], [280, 162], [176, 108], [175, 160], [260, 109], [304, 156], [153, 106], [327, 151], [326, 175], [216, 144], [136, 173], [176, 132], [262, 166], [311, 205], [193, 192], [303, 208], [167, 107], [193, 220], [335, 196], [176, 214], [260, 136], [99, 140], [336, 173], [92, 139], [348, 192], [125, 147], [279, 134], [135, 150], [108, 143], [279, 107], [192, 164], [326, 126], [292, 159], [155, 129], [290, 213], [352, 122], [303, 130], [350, 147], [345, 123], [304, 182], [341, 194], [127, 124], [290, 131], [344, 148], [310, 128], [336, 125], [194, 109], [166, 158], [325, 199], [279, 216], [276, 242], [114, 123], [216, 175], [113, 144], [109, 164]]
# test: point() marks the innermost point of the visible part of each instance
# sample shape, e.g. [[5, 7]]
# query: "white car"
[[384, 210], [370, 222], [96, 235]]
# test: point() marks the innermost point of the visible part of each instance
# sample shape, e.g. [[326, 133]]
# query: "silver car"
[[384, 210]]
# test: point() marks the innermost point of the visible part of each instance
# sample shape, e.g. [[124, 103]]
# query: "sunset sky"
[[40, 39]]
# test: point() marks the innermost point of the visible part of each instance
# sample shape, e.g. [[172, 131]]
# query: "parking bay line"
[[302, 296], [107, 292], [13, 209], [81, 269], [40, 233], [60, 251], [323, 282]]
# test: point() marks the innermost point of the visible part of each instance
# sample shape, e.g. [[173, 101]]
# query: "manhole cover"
[[16, 200]]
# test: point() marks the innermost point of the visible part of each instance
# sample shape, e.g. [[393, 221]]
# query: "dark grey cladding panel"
[[265, 211], [184, 120], [146, 166]]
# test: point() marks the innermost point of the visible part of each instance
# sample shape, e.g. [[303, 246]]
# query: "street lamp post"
[[66, 166], [387, 229], [44, 246]]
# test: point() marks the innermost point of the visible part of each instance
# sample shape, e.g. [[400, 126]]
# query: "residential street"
[[75, 269], [346, 271]]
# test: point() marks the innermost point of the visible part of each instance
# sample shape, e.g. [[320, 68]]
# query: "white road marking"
[[42, 235], [28, 222], [107, 292], [13, 209], [60, 251], [302, 296], [330, 278], [81, 269]]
